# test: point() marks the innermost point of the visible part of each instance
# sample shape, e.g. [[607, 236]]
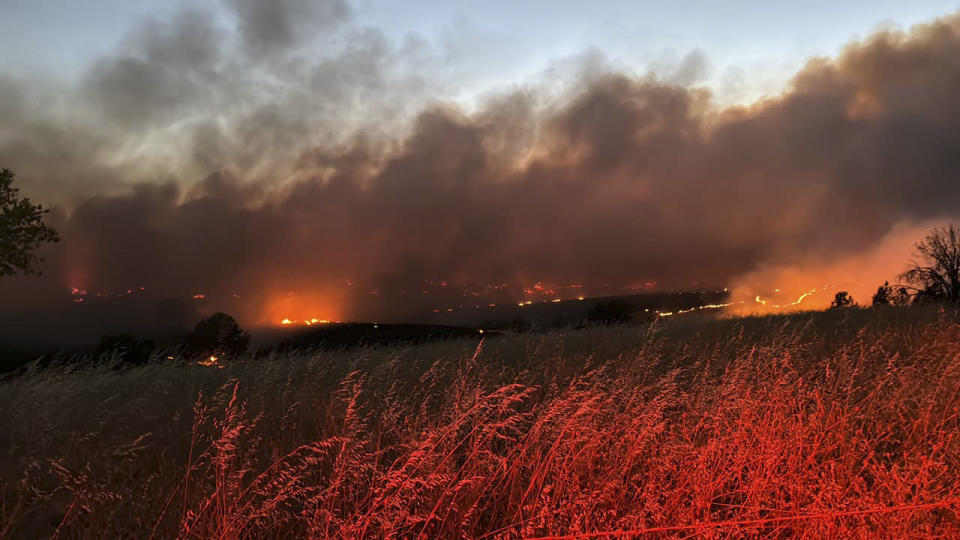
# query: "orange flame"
[[296, 308], [212, 361]]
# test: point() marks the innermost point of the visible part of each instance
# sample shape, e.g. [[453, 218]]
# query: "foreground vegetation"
[[844, 423]]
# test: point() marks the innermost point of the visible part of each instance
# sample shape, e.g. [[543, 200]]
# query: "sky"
[[338, 159], [752, 47]]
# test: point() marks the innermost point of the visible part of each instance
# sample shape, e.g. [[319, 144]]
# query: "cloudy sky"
[[278, 150], [751, 48]]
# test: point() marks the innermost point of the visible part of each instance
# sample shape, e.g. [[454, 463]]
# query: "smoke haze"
[[221, 158]]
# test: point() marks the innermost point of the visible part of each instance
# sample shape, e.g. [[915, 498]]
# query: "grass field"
[[836, 424]]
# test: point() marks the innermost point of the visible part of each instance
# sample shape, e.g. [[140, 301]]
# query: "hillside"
[[828, 424]]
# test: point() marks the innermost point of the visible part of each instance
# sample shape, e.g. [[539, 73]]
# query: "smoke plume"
[[225, 159]]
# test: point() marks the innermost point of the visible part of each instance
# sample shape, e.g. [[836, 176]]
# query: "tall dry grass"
[[829, 425]]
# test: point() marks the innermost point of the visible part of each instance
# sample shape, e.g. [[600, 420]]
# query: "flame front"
[[307, 322], [298, 308], [212, 361]]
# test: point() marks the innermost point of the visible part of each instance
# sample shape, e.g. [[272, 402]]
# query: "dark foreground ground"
[[835, 424]]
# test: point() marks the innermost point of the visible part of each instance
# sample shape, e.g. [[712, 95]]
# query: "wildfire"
[[642, 286], [212, 361], [696, 308], [796, 302], [286, 307], [301, 308], [307, 322], [756, 300]]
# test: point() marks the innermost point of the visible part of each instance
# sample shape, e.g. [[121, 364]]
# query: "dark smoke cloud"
[[311, 177]]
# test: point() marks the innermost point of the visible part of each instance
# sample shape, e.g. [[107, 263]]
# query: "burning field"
[[835, 424]]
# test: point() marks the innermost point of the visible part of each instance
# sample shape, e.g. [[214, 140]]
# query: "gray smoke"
[[259, 169]]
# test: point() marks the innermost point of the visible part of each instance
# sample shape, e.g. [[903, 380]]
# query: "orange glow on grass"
[[780, 300]]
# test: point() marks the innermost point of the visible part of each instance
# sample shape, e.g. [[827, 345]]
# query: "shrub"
[[219, 336], [842, 300]]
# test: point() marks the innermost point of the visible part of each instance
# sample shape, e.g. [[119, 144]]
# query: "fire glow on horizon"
[[307, 322], [293, 308], [758, 304]]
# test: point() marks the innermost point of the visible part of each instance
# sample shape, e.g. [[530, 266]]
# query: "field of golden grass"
[[837, 424]]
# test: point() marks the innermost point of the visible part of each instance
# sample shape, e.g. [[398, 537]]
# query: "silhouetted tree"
[[884, 295], [22, 230], [613, 311], [936, 276], [901, 297], [841, 300], [218, 335]]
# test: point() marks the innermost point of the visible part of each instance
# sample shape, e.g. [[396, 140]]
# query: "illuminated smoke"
[[270, 185]]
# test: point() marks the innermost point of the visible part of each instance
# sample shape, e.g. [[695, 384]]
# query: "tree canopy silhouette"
[[22, 230], [218, 335], [842, 300], [901, 297], [888, 295], [884, 295], [936, 273]]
